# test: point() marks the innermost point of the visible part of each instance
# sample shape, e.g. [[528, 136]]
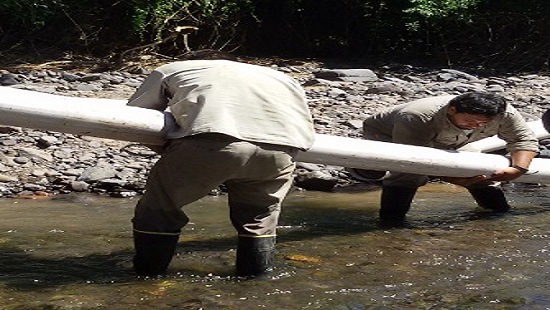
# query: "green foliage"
[[28, 13], [432, 13], [59, 24], [157, 20], [457, 9], [449, 32]]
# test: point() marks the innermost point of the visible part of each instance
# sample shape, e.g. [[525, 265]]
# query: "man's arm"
[[520, 161], [151, 94], [517, 133], [521, 143]]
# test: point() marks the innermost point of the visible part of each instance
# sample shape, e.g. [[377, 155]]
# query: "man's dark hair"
[[479, 103]]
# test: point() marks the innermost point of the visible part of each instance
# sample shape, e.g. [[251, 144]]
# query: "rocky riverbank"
[[44, 164]]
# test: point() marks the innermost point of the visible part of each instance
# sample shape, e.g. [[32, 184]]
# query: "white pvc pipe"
[[111, 119], [106, 118], [376, 155]]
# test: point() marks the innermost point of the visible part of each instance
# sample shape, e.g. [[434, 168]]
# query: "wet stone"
[[34, 187], [123, 194], [87, 87], [21, 160], [35, 153], [87, 156], [62, 154], [4, 168], [72, 172], [8, 79], [79, 186], [8, 178], [95, 144], [38, 173], [96, 173], [46, 141], [9, 142], [4, 190], [316, 180], [70, 76]]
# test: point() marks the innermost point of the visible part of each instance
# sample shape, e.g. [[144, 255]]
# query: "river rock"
[[96, 173], [316, 180], [347, 75]]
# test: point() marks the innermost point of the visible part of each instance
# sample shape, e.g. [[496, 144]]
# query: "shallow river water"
[[74, 252]]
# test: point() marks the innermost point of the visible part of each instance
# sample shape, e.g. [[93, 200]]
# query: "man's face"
[[468, 121]]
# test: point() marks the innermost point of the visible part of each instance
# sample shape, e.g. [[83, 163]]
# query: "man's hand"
[[506, 174], [462, 181]]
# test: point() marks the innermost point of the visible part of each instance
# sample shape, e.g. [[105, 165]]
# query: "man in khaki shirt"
[[239, 124], [450, 122]]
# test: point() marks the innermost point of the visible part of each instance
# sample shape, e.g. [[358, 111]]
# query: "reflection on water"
[[75, 253]]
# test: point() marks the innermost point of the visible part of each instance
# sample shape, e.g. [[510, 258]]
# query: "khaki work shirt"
[[424, 122], [248, 102]]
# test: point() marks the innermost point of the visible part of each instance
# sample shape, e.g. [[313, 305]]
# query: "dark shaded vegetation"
[[486, 35]]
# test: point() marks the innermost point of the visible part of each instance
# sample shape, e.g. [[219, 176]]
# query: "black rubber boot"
[[395, 203], [153, 253], [255, 256], [490, 197]]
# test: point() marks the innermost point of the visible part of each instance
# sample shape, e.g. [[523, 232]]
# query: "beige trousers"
[[257, 176]]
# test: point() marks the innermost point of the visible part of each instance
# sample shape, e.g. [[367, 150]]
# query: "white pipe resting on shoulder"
[[108, 118]]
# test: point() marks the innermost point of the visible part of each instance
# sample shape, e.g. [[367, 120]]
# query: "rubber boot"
[[153, 253], [490, 197], [255, 256], [395, 203]]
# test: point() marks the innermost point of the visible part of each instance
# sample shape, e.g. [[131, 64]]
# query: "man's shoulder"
[[429, 105], [435, 100], [218, 67], [188, 64]]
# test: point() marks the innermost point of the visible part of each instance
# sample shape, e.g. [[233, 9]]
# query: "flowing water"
[[74, 252]]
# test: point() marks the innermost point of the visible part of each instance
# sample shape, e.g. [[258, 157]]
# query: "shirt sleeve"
[[152, 93], [517, 134]]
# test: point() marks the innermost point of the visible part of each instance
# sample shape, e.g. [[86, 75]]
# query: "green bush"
[[474, 33], [211, 23]]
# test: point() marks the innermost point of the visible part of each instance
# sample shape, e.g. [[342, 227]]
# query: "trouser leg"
[[185, 173], [257, 176], [490, 197], [398, 191], [255, 200], [395, 202], [153, 252], [255, 197]]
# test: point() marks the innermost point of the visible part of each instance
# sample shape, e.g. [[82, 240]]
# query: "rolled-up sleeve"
[[517, 133], [151, 94]]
